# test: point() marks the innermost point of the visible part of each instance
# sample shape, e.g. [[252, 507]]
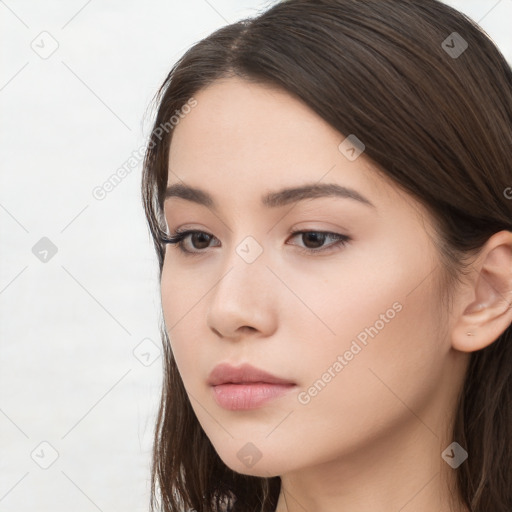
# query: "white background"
[[69, 326]]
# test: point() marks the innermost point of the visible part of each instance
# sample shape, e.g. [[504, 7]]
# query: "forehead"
[[243, 118], [244, 138]]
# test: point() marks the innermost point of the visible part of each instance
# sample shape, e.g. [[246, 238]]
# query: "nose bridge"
[[244, 269], [242, 295]]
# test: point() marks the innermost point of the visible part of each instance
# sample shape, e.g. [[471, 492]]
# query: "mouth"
[[245, 387]]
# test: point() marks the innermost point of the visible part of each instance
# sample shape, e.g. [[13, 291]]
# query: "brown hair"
[[437, 123]]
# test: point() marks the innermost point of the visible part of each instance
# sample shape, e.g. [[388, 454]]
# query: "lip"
[[245, 387], [225, 373], [238, 397]]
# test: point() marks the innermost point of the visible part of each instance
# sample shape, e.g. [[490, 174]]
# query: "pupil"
[[199, 236], [318, 238]]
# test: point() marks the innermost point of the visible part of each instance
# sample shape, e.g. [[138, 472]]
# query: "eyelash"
[[179, 237]]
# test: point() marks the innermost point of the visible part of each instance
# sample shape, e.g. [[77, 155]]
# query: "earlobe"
[[489, 313]]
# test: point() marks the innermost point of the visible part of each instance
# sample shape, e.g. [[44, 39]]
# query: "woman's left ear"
[[489, 311]]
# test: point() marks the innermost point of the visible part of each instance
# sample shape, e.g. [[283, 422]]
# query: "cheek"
[[181, 297], [384, 351], [171, 288], [183, 287]]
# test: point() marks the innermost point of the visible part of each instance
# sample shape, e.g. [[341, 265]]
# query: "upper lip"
[[225, 373]]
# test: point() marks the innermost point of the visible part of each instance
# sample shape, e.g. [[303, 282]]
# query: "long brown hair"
[[434, 110]]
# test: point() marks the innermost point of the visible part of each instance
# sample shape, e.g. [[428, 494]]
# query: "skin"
[[372, 438]]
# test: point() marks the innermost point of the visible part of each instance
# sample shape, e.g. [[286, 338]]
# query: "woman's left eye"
[[314, 241]]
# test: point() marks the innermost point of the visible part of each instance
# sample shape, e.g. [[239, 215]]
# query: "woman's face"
[[353, 325]]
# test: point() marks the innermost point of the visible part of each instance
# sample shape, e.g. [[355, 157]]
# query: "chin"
[[248, 459]]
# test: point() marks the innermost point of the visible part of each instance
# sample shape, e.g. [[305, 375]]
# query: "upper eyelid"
[[188, 231]]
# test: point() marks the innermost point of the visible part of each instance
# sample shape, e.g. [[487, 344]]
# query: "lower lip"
[[237, 397]]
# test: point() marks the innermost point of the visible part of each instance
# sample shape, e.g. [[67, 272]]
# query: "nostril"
[[247, 328]]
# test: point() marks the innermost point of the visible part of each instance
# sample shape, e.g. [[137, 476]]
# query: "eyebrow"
[[276, 199]]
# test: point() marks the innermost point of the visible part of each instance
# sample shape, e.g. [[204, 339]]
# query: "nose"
[[242, 301]]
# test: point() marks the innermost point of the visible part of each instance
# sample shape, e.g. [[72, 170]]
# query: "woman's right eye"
[[199, 240]]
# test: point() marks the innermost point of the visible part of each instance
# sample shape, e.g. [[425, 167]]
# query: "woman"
[[328, 187]]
